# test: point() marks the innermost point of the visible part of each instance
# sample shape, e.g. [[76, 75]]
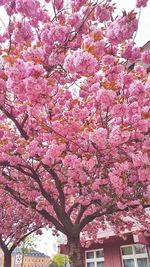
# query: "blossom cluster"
[[122, 28], [141, 3], [81, 62], [74, 116]]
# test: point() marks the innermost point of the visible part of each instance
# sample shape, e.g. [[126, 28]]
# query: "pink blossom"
[[141, 3], [23, 33], [80, 113], [115, 138], [81, 62], [2, 2], [144, 174], [95, 185], [36, 55], [120, 110], [140, 159], [102, 13], [2, 84], [40, 205], [28, 8], [140, 70], [131, 53], [54, 33], [121, 206], [72, 161], [77, 4], [127, 78], [99, 137], [69, 101], [148, 189], [116, 182], [74, 20], [122, 28], [146, 57], [97, 48], [90, 163], [137, 90], [106, 98], [55, 150], [108, 60], [114, 72], [58, 4], [143, 125]]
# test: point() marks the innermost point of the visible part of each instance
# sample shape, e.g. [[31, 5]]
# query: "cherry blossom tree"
[[75, 119], [17, 223]]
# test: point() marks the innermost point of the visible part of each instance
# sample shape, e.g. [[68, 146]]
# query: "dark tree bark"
[[75, 253], [7, 259]]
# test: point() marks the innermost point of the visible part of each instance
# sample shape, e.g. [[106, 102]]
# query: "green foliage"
[[28, 244], [60, 260]]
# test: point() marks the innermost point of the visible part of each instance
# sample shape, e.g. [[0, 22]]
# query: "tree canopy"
[[60, 260], [17, 223], [74, 119]]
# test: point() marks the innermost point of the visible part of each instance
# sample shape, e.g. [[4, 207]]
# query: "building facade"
[[131, 251], [31, 259], [36, 259], [134, 251]]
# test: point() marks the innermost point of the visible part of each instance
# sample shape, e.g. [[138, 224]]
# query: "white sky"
[[47, 243]]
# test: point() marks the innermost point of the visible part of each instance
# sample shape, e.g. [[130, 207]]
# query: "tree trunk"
[[75, 253], [7, 259]]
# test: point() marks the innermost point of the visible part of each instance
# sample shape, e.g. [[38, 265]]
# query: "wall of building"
[[1, 258], [112, 250], [29, 261], [36, 261]]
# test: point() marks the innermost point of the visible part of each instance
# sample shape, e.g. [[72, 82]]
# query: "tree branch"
[[23, 237], [2, 245], [19, 127], [33, 204], [110, 210], [57, 183]]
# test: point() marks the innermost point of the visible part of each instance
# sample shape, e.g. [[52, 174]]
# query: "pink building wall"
[[112, 256], [111, 246]]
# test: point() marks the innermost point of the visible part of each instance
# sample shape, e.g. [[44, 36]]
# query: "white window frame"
[[95, 259], [133, 256]]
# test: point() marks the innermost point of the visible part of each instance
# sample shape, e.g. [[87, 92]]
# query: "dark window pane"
[[128, 263], [143, 263], [90, 255], [90, 264], [100, 264], [100, 253], [127, 251], [140, 249]]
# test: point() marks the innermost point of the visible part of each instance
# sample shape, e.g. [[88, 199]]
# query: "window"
[[94, 258], [135, 256]]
